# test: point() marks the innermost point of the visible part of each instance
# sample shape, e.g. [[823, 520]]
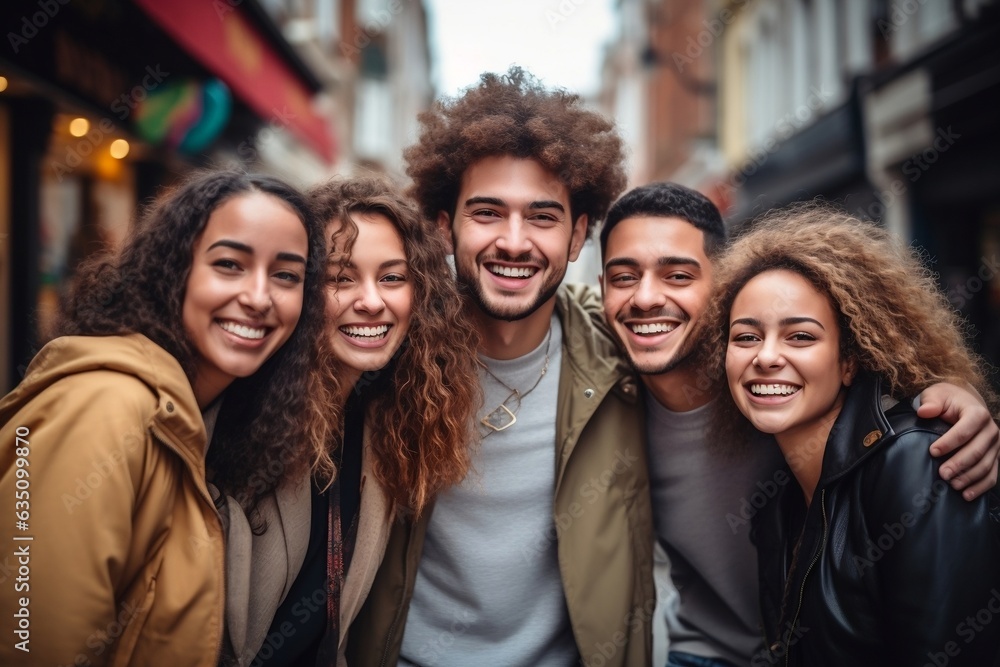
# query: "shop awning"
[[227, 43]]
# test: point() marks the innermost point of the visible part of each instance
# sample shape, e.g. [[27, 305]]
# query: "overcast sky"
[[559, 41]]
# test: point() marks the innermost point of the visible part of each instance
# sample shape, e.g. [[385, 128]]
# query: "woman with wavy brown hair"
[[398, 383], [206, 315], [824, 328]]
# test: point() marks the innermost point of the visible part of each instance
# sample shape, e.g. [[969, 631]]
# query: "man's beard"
[[470, 286]]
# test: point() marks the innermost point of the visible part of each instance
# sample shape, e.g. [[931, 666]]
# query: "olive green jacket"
[[602, 511]]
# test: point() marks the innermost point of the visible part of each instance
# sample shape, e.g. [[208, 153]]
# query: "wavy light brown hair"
[[515, 115], [894, 321], [424, 402], [141, 289]]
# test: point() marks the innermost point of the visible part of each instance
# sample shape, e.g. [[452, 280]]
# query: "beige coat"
[[260, 569], [125, 564]]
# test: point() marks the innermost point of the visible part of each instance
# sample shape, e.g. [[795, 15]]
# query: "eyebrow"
[[495, 201], [243, 247], [754, 322], [660, 261], [381, 267]]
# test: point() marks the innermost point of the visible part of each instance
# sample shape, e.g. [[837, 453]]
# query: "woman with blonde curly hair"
[[824, 327], [398, 384]]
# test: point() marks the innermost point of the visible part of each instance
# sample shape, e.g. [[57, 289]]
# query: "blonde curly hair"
[[894, 321]]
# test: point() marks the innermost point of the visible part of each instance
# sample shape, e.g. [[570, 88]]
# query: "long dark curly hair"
[[260, 432], [424, 402], [515, 115]]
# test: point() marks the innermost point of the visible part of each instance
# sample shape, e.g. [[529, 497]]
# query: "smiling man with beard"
[[543, 556], [658, 246]]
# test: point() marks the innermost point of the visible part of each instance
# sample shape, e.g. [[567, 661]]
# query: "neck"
[[680, 390], [510, 340], [207, 389], [803, 449]]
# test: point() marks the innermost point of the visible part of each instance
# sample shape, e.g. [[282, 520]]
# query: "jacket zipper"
[[802, 590]]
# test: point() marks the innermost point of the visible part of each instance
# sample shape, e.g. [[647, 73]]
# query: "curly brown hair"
[[894, 321], [258, 436], [426, 399], [515, 115]]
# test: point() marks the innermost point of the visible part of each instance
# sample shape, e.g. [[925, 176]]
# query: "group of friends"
[[277, 428]]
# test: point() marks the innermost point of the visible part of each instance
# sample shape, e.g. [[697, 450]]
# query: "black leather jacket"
[[894, 567]]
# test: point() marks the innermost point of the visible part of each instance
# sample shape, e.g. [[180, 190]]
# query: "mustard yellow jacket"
[[119, 559]]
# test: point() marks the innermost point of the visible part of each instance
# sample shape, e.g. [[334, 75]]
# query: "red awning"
[[222, 38]]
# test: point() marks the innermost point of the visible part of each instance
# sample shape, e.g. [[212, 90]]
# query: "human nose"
[[514, 238], [369, 299], [769, 354], [647, 295], [257, 293]]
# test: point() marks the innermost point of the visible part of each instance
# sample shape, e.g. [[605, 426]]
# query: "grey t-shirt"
[[703, 503], [488, 588]]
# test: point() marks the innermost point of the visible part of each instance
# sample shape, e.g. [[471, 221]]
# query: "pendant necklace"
[[503, 417]]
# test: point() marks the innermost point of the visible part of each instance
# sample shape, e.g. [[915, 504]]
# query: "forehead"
[[515, 180], [782, 292], [376, 236], [647, 238]]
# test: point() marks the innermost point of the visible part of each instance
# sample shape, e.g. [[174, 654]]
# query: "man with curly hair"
[[659, 246], [543, 556]]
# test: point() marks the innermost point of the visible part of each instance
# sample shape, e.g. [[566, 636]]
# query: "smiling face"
[[368, 299], [244, 294], [783, 360], [657, 281], [512, 235]]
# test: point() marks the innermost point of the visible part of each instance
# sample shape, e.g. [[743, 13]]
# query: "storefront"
[[103, 102]]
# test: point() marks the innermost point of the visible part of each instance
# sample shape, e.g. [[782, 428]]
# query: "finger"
[[981, 487], [965, 430], [973, 463]]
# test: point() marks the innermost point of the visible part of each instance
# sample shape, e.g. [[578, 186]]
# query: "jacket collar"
[[591, 366], [861, 428], [177, 419]]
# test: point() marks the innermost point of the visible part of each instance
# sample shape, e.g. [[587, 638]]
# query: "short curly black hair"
[[669, 200], [515, 115]]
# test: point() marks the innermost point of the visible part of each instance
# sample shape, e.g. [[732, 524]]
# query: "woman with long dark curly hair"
[[399, 386], [210, 306], [824, 329]]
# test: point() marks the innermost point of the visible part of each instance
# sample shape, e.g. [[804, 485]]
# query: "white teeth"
[[773, 389], [658, 327], [512, 272], [242, 331], [366, 332]]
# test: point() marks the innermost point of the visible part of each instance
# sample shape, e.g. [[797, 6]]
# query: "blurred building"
[[104, 102], [884, 106]]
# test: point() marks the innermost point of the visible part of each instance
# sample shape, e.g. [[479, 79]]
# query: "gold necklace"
[[502, 417]]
